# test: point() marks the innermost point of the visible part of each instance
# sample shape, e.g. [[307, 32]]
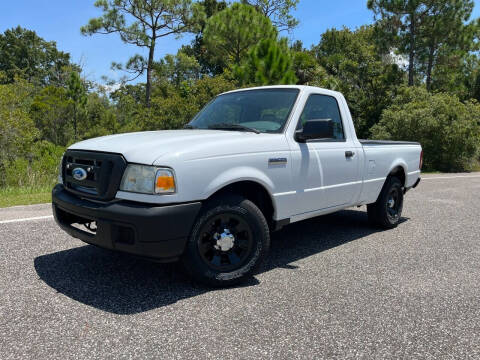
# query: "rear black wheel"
[[228, 242], [387, 210]]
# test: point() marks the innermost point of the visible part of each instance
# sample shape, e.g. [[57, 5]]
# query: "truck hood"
[[153, 146]]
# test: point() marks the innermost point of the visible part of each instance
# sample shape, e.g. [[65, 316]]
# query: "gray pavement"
[[24, 213], [332, 288]]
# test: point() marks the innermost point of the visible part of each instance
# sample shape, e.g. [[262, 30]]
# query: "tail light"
[[421, 161]]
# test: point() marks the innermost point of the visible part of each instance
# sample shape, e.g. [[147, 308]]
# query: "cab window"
[[326, 108]]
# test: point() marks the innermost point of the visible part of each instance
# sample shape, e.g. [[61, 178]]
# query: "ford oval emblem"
[[79, 174]]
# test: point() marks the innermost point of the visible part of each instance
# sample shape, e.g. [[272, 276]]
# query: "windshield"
[[261, 110]]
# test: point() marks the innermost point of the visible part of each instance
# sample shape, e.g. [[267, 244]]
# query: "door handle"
[[277, 161], [349, 154]]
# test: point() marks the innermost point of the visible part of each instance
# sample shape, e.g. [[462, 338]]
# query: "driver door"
[[325, 171]]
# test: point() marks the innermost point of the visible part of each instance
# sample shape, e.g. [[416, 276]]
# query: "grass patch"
[[476, 167], [12, 196]]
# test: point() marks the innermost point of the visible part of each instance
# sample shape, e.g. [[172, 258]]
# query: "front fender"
[[237, 174]]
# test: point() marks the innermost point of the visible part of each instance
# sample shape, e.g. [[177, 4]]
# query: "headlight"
[[148, 180]]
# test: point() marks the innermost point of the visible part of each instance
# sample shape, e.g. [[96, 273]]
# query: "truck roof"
[[299, 87]]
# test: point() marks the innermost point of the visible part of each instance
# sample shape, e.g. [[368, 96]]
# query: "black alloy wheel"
[[225, 242], [393, 204], [386, 212], [228, 242]]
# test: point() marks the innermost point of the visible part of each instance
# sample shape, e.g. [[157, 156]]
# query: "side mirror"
[[315, 129]]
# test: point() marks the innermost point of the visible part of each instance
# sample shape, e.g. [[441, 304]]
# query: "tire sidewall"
[[393, 182]]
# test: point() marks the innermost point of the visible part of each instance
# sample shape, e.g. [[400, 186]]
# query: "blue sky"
[[60, 20]]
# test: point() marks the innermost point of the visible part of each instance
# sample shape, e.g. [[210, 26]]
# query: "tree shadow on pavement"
[[122, 284]]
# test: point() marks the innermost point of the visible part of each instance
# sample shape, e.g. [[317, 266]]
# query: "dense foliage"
[[23, 53], [232, 32], [412, 75], [269, 62], [448, 129]]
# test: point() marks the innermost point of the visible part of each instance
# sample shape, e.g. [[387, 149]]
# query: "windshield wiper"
[[188, 126], [226, 126]]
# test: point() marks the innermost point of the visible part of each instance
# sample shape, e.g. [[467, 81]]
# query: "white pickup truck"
[[252, 161]]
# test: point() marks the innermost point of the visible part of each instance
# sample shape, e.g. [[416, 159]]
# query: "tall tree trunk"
[[411, 55], [237, 54], [476, 88], [149, 73], [431, 54], [75, 122]]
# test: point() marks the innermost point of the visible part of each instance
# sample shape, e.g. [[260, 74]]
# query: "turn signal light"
[[164, 182]]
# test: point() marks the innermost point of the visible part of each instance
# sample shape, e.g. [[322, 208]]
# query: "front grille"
[[104, 172]]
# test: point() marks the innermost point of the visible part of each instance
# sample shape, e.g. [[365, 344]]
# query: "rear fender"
[[399, 163]]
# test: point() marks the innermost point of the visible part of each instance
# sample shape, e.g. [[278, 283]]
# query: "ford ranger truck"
[[252, 161]]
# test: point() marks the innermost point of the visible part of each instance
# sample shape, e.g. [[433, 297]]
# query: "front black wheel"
[[228, 242], [387, 210]]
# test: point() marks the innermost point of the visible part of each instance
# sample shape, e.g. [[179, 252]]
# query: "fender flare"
[[402, 164], [239, 174]]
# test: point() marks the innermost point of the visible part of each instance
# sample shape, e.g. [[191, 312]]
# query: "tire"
[[228, 243], [386, 212]]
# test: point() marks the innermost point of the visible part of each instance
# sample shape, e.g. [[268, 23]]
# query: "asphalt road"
[[332, 288]]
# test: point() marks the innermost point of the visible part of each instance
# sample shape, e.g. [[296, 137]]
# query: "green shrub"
[[39, 170], [17, 130], [448, 129], [175, 108]]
